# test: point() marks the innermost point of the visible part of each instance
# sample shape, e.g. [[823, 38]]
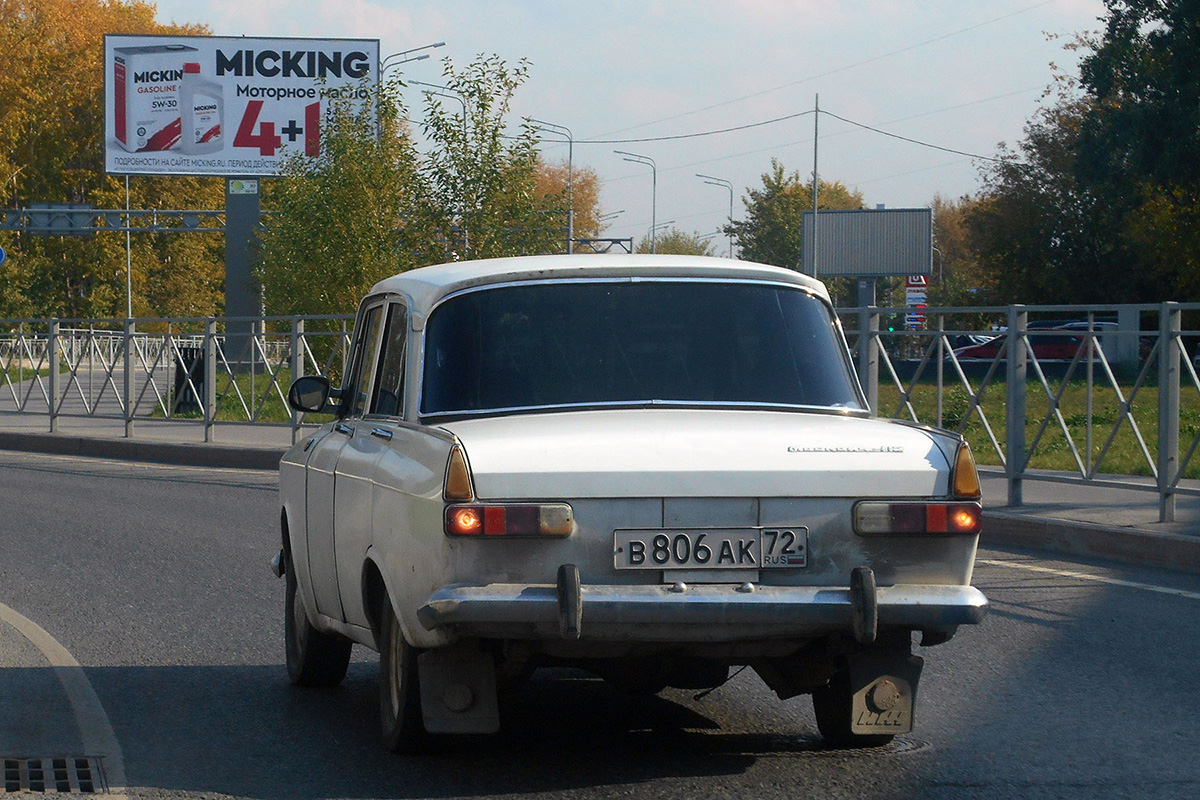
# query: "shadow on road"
[[245, 731]]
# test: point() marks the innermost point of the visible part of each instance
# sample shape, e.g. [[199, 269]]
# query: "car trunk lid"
[[698, 453]]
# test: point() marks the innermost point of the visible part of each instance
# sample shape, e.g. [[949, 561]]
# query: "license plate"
[[711, 548]]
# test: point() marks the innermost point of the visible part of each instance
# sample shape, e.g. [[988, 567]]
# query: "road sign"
[[3, 255]]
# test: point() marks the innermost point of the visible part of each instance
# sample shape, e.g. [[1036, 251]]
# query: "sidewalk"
[[1119, 524]]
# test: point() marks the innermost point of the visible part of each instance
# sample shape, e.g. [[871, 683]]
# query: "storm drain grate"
[[53, 775]]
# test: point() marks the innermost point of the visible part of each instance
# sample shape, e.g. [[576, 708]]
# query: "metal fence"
[[1060, 393], [210, 370]]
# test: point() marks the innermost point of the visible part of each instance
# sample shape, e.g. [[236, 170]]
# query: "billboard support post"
[[243, 210]]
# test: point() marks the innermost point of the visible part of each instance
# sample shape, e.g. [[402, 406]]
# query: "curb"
[[188, 455], [1174, 551]]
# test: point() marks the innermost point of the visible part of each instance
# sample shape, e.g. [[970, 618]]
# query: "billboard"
[[870, 242], [203, 105]]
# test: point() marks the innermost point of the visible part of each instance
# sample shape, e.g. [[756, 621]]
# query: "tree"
[[1144, 76], [551, 188], [345, 217], [482, 180], [677, 242], [771, 232], [51, 150], [959, 279]]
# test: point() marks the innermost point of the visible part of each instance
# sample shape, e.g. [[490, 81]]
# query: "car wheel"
[[313, 658], [833, 705], [399, 694]]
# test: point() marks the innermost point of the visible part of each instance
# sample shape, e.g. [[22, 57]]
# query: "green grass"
[[258, 397], [14, 374], [1124, 455]]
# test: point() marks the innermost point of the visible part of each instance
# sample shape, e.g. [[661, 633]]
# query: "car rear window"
[[600, 343]]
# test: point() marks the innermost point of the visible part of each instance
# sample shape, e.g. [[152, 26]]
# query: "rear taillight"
[[871, 517], [510, 519]]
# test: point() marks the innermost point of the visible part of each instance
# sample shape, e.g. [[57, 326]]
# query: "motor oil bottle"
[[202, 107]]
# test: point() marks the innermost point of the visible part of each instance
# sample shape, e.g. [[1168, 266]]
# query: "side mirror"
[[310, 394]]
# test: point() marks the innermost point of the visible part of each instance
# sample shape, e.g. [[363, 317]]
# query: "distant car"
[[652, 467], [1057, 341]]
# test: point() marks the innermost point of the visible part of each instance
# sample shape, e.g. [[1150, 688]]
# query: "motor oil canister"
[[202, 108], [146, 96]]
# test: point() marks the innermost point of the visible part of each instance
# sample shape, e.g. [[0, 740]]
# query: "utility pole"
[[816, 180]]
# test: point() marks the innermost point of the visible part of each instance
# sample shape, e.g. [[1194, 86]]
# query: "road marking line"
[[1066, 573], [97, 733]]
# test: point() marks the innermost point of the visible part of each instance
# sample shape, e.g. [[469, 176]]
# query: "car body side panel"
[[356, 472], [322, 565], [413, 553]]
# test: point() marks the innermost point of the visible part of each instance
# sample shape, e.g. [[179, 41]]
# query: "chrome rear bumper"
[[699, 613]]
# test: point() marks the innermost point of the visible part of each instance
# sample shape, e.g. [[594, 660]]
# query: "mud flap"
[[458, 690], [884, 687]]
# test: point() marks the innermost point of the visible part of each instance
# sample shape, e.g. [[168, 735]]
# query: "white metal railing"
[[213, 371], [1089, 403], [1123, 397]]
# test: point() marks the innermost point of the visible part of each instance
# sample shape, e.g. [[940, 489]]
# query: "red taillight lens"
[[510, 519], [916, 518]]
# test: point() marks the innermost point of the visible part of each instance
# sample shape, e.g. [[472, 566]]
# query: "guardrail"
[[1115, 393]]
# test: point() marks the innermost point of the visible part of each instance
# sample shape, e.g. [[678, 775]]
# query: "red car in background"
[[1059, 343]]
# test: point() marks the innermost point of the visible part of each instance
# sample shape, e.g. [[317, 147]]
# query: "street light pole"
[[443, 91], [563, 130], [709, 179], [388, 62], [446, 91], [654, 230], [640, 159]]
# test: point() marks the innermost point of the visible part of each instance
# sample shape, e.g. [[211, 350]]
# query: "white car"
[[652, 467]]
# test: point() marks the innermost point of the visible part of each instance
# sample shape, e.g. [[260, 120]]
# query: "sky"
[[962, 75]]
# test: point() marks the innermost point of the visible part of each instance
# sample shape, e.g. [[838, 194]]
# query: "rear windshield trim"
[[617, 405], [835, 322]]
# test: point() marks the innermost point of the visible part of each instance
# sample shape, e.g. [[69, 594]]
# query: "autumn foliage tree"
[[551, 189], [51, 150]]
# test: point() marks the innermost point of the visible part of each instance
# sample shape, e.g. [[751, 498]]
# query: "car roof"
[[427, 285]]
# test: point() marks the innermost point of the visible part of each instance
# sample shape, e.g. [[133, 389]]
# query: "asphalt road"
[[1082, 683]]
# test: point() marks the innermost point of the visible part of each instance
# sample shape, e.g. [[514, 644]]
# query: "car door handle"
[[346, 429], [386, 435]]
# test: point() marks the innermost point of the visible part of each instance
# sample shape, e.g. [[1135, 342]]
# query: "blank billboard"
[[870, 242]]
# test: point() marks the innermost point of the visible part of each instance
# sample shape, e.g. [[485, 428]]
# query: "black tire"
[[313, 658], [399, 694], [833, 707]]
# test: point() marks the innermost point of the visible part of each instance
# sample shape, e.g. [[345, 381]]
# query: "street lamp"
[[640, 159], [563, 130], [388, 62], [443, 91], [709, 179], [610, 215], [446, 91], [655, 228]]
